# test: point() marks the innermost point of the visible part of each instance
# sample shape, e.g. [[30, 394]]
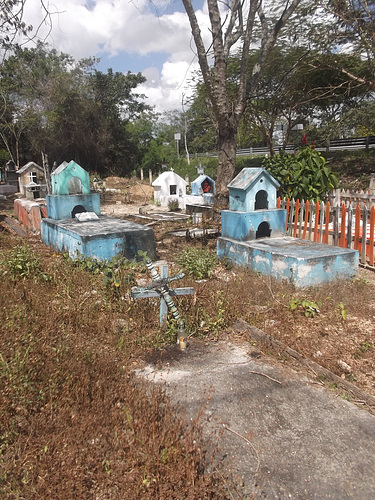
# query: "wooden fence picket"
[[371, 241], [364, 235], [349, 230], [326, 228], [316, 225], [307, 206], [342, 242], [296, 215], [357, 228], [321, 223], [333, 224], [336, 218]]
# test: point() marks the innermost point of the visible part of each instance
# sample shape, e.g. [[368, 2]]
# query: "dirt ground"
[[76, 425], [339, 337]]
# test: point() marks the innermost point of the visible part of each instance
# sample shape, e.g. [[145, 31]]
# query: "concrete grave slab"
[[278, 436], [102, 239], [301, 262]]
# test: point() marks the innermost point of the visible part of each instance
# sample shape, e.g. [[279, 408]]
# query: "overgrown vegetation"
[[118, 273], [198, 262], [304, 176], [75, 421]]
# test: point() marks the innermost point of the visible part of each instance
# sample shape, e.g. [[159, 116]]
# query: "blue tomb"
[[74, 223], [253, 235]]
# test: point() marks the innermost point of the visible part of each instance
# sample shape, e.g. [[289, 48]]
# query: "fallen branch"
[[248, 442], [264, 375], [258, 335]]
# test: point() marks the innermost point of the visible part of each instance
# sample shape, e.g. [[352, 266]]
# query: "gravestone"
[[253, 235], [75, 225]]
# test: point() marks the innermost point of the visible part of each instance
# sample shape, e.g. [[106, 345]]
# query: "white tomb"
[[170, 187]]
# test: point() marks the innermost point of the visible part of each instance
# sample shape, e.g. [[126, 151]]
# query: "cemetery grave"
[[88, 331]]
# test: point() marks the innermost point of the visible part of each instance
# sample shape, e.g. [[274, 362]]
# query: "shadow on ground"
[[279, 435]]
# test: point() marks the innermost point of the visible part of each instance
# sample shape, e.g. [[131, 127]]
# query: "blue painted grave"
[[74, 223], [253, 235]]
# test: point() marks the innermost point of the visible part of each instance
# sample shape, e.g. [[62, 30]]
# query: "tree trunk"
[[226, 166]]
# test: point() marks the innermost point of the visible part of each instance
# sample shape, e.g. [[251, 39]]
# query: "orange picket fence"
[[339, 225]]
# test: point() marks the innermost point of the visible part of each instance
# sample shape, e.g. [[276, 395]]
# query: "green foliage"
[[117, 273], [22, 263], [308, 307], [198, 262], [69, 110], [304, 176], [364, 347], [342, 310], [173, 205]]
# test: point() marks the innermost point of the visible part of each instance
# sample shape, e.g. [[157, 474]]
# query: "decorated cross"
[[159, 288]]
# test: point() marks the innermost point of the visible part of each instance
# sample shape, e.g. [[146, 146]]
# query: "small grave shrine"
[[71, 192], [204, 186], [32, 181], [169, 187], [201, 199], [74, 223], [253, 235], [11, 176]]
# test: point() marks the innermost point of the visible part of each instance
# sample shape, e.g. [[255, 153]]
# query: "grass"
[[76, 423]]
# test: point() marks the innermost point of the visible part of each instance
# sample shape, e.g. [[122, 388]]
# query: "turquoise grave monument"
[[75, 225], [253, 235]]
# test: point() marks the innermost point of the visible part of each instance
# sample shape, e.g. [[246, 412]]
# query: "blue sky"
[[138, 36]]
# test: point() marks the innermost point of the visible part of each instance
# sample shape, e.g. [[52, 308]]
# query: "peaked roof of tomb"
[[246, 179], [201, 178], [65, 165], [168, 175], [28, 166]]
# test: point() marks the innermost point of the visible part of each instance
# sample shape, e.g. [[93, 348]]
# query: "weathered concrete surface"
[[30, 213], [302, 262], [102, 239], [279, 437]]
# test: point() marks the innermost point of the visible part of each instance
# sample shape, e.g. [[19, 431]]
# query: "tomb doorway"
[[261, 200]]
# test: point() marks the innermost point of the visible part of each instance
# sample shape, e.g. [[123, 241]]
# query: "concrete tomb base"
[[102, 239], [30, 213], [301, 262], [63, 206]]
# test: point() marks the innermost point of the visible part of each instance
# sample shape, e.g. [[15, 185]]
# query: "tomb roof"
[[164, 177], [249, 176], [28, 166]]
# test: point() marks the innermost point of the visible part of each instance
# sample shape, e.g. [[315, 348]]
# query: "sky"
[[151, 37]]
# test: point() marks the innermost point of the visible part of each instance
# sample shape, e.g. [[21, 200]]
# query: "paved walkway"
[[279, 435]]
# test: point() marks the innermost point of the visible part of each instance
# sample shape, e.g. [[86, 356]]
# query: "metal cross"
[[159, 288]]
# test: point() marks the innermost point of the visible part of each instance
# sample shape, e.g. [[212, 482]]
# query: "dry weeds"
[[75, 423]]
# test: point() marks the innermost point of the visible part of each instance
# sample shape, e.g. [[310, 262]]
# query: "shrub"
[[198, 262], [304, 176], [22, 263]]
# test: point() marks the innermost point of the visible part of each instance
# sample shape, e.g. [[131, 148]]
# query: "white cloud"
[[105, 28]]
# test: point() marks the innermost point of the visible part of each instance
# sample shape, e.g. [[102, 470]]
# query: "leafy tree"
[[68, 110], [353, 30], [233, 25], [300, 86], [305, 175], [12, 25]]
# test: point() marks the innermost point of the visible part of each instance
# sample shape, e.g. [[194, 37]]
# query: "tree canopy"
[[69, 110]]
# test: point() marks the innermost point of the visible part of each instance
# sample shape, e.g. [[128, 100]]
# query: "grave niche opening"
[[263, 231], [261, 200], [78, 209], [74, 185]]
